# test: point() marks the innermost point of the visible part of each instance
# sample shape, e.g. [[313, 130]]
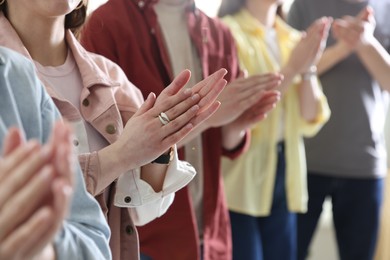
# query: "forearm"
[[232, 136], [309, 95], [377, 61], [102, 168], [112, 166], [288, 77], [332, 56], [154, 175], [112, 161]]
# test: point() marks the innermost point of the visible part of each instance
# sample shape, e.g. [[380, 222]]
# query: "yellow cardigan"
[[249, 179]]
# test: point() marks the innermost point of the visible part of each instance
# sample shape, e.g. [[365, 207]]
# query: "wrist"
[[232, 136], [367, 44], [288, 72], [114, 158], [165, 158], [310, 73], [342, 50]]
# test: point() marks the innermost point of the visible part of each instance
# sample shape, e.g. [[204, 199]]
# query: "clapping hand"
[[163, 121], [242, 94], [309, 50], [35, 191], [355, 31]]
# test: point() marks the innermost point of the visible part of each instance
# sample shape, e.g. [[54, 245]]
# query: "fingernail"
[[67, 190], [195, 96], [195, 108], [187, 91]]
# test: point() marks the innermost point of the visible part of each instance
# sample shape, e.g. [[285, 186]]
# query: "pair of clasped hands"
[[36, 183], [355, 32]]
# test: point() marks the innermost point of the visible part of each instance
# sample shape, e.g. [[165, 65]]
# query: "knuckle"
[[173, 112], [175, 124], [172, 139]]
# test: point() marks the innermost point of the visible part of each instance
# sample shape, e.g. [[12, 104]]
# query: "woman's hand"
[[260, 110], [240, 95], [35, 191], [145, 136], [233, 133], [309, 50], [356, 31]]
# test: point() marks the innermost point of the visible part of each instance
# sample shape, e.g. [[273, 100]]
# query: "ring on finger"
[[164, 119]]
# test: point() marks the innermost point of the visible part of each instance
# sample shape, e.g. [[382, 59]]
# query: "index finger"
[[178, 83], [15, 158], [12, 140], [209, 81]]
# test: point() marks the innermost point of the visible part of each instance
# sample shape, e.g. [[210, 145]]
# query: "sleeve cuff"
[[132, 191], [240, 149], [90, 166]]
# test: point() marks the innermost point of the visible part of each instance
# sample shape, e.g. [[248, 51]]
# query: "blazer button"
[[110, 129], [85, 102], [127, 199], [76, 142], [129, 230]]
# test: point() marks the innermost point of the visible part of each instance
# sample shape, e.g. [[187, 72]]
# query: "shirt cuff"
[[132, 191], [240, 149]]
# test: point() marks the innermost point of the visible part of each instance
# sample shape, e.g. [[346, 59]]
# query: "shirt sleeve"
[[85, 233], [143, 202], [93, 176], [310, 129], [241, 148]]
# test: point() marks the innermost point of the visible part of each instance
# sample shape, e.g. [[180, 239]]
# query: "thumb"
[[365, 14], [148, 104]]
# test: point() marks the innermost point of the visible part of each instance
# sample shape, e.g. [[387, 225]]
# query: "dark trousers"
[[269, 238], [356, 212]]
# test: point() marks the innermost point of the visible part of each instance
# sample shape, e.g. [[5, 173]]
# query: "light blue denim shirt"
[[25, 104]]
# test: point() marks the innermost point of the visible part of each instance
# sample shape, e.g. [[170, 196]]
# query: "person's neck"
[[44, 39], [265, 13]]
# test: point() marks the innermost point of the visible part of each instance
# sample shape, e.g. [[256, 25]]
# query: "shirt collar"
[[90, 72], [252, 25]]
